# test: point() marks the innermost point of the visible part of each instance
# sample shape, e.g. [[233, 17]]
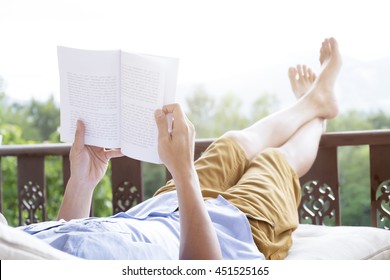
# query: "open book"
[[115, 94]]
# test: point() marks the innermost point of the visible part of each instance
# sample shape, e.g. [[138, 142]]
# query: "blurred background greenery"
[[37, 122]]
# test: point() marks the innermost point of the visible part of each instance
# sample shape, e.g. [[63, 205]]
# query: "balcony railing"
[[320, 187]]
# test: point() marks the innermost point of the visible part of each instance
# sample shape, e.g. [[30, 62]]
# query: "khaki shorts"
[[266, 189]]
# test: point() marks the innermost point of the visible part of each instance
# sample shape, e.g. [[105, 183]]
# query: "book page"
[[89, 90], [170, 67], [144, 81]]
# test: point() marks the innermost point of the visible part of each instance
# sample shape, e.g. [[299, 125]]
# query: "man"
[[238, 201]]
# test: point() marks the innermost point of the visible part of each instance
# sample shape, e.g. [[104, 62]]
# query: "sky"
[[214, 39]]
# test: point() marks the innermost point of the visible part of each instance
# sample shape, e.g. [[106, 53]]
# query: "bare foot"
[[301, 79], [322, 92]]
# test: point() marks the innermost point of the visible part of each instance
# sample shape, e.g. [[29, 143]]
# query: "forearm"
[[76, 202], [198, 239]]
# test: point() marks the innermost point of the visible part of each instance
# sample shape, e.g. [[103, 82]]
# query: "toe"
[[292, 73]]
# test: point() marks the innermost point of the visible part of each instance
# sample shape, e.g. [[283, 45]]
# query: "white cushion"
[[3, 220], [314, 242], [18, 245]]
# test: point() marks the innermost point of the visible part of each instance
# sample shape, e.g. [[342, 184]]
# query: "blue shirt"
[[149, 230]]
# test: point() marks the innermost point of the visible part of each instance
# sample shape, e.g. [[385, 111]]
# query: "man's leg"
[[224, 163], [318, 103], [301, 149], [269, 190]]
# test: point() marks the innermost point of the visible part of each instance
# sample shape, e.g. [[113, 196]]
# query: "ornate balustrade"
[[320, 202], [320, 187]]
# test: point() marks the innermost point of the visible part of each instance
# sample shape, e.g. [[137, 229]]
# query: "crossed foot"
[[319, 90]]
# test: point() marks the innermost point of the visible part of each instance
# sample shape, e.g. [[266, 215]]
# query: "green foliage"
[[10, 202], [44, 117], [228, 115], [154, 177], [354, 179], [380, 120], [263, 106], [201, 110], [38, 120], [212, 117], [54, 185], [11, 134], [350, 121], [102, 197]]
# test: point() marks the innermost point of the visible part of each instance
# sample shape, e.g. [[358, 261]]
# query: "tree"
[[379, 120], [228, 115], [38, 120], [212, 118], [201, 112], [263, 106], [2, 98], [350, 120], [12, 134], [44, 117]]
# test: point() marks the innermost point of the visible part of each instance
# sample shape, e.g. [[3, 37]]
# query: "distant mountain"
[[363, 86]]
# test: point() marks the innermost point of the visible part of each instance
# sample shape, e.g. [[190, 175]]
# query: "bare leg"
[[301, 149], [302, 79], [319, 103]]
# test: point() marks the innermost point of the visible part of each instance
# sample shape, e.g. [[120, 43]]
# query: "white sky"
[[213, 39]]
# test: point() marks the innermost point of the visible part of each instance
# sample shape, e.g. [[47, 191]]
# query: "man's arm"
[[88, 164], [198, 239]]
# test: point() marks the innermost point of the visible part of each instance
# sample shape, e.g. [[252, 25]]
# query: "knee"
[[233, 134], [237, 136], [296, 162], [243, 141]]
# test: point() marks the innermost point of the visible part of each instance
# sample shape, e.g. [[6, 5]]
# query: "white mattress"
[[312, 242]]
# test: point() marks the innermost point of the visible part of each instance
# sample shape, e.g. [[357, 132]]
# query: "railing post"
[[380, 185], [320, 189], [1, 186], [31, 193], [127, 183]]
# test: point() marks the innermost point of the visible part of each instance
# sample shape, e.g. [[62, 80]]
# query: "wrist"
[[184, 173], [80, 186], [76, 202], [187, 183]]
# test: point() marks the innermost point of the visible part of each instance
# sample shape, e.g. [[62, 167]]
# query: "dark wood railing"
[[320, 202], [320, 187]]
